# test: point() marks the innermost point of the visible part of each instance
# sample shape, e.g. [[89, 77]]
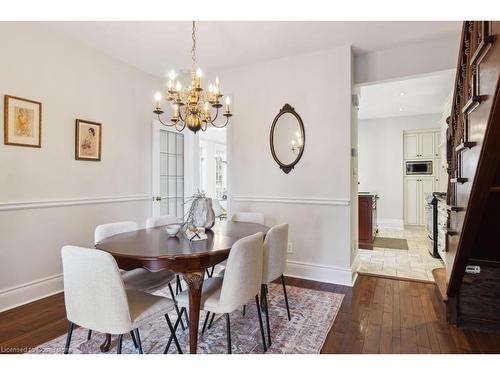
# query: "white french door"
[[167, 171]]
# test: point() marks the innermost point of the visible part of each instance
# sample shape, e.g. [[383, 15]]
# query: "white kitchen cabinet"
[[421, 144], [411, 146], [426, 149], [416, 189]]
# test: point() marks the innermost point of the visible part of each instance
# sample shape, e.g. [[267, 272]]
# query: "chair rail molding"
[[26, 205], [292, 200]]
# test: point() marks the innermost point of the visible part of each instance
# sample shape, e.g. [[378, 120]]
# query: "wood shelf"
[[495, 189], [459, 180], [464, 146]]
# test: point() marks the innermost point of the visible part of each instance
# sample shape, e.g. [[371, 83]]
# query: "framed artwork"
[[88, 136], [22, 122]]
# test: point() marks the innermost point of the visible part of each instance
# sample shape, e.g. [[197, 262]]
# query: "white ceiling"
[[409, 97], [156, 47]]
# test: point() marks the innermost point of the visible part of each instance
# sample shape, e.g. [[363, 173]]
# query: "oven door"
[[418, 168], [429, 220]]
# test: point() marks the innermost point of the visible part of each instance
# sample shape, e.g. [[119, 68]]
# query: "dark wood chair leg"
[[138, 338], [89, 335], [265, 305], [244, 310], [119, 345], [228, 333], [134, 340], [172, 333], [175, 328], [286, 297], [176, 307], [68, 337], [260, 323]]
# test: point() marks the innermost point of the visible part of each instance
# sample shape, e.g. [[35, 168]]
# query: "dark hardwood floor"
[[377, 316]]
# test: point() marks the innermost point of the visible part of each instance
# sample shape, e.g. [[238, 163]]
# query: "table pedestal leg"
[[194, 281], [106, 344]]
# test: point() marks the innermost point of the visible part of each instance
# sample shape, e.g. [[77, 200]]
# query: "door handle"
[[158, 198]]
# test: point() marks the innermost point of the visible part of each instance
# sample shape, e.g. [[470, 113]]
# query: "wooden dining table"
[[154, 250]]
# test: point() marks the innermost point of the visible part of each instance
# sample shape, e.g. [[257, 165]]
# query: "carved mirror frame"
[[287, 108]]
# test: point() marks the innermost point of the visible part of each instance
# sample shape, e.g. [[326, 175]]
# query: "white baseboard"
[[390, 224], [318, 272], [29, 292]]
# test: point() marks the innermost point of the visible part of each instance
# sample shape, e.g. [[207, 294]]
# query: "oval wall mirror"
[[287, 138]]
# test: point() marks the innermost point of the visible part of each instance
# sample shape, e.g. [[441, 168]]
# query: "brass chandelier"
[[193, 106]]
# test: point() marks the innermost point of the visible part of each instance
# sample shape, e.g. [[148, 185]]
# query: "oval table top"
[[154, 249]]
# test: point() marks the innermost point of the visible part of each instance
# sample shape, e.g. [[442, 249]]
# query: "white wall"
[[47, 198], [314, 198], [380, 159], [408, 60]]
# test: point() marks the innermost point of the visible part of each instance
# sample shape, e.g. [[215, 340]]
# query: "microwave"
[[418, 168]]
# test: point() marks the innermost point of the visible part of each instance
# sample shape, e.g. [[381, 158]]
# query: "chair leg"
[[89, 335], [260, 323], [138, 338], [175, 328], [228, 333], [205, 322], [68, 338], [265, 304], [286, 297], [244, 310], [176, 307], [172, 333], [133, 339], [119, 345], [211, 321]]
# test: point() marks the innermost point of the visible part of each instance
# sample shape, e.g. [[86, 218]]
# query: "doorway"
[[400, 164]]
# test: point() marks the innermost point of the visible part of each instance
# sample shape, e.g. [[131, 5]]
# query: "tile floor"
[[415, 263]]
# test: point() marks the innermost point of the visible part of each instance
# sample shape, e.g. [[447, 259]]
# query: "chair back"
[[275, 246], [94, 293], [249, 217], [107, 230], [243, 274], [160, 221]]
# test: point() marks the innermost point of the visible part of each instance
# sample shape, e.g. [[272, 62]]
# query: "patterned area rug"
[[312, 312]]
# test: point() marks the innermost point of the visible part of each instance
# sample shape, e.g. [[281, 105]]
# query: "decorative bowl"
[[172, 229]]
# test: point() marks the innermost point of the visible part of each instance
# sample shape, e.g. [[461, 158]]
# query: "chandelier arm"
[[221, 126], [216, 115], [164, 123], [181, 129]]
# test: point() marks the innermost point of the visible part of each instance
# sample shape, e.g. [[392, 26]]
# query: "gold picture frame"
[[22, 122], [88, 140]]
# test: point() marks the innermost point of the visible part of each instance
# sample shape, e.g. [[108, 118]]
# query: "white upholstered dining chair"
[[274, 265], [240, 284], [96, 298], [153, 222], [139, 278], [247, 217]]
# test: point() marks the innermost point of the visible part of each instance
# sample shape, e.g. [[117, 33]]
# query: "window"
[[172, 174]]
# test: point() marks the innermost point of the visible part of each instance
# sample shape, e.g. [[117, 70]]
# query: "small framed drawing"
[[88, 140], [22, 122]]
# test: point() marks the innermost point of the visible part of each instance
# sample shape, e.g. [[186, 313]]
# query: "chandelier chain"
[[193, 49]]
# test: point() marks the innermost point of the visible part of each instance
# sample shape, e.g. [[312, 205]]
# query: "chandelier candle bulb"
[[228, 102], [158, 101]]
